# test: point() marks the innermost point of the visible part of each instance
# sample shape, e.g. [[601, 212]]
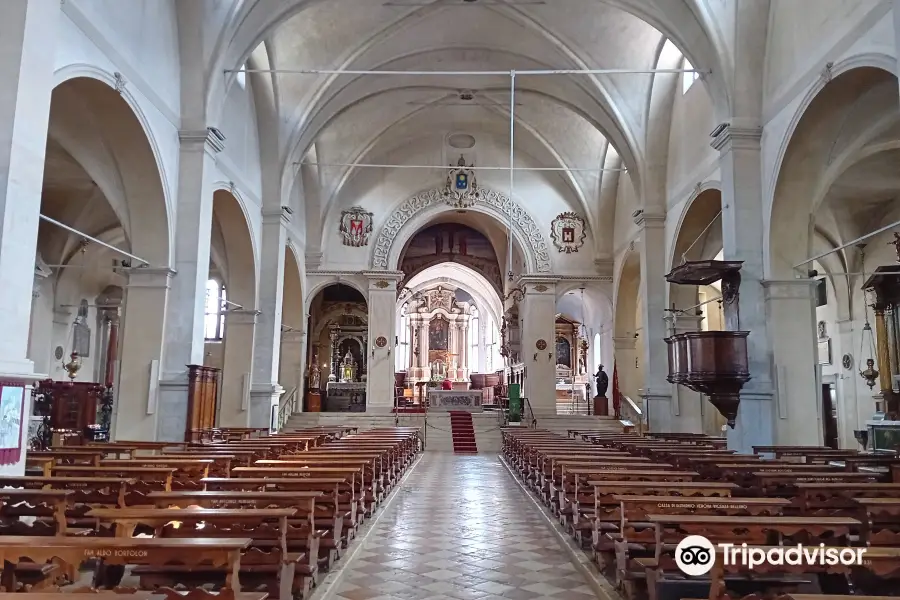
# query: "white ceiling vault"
[[562, 121]]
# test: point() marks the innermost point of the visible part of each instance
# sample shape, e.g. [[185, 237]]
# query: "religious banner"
[[567, 232], [356, 226], [12, 406]]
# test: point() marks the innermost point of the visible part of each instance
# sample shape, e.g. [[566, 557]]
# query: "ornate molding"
[[212, 139], [643, 219], [729, 136], [489, 200]]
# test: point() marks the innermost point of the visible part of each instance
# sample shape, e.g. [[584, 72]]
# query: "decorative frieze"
[[505, 209]]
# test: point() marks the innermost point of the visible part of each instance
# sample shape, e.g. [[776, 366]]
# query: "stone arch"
[[123, 131], [229, 213], [355, 281], [836, 118], [410, 216]]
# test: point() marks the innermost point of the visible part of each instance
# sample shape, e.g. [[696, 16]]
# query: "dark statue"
[[602, 381]]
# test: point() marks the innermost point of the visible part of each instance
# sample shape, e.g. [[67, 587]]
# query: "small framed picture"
[[825, 351]]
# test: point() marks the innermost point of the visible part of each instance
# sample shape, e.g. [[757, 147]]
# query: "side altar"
[[447, 400]]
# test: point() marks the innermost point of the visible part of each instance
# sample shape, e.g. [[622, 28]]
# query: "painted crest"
[[356, 226], [461, 190], [567, 232]]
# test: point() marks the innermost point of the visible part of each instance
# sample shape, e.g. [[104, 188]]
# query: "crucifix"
[[896, 244]]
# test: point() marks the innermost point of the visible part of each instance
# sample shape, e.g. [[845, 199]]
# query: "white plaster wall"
[[141, 36], [804, 34], [240, 160], [82, 52], [691, 157]]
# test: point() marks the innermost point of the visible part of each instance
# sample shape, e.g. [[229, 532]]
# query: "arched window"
[[688, 78], [474, 336], [597, 354], [214, 323], [241, 77]]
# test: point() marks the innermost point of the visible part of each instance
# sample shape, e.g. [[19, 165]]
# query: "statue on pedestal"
[[602, 381]]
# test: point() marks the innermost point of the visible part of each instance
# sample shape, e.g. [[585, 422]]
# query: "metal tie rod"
[[446, 167], [93, 239], [526, 72]]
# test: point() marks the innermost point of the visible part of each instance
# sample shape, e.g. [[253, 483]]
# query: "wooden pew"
[[187, 472], [224, 553], [148, 479], [266, 562]]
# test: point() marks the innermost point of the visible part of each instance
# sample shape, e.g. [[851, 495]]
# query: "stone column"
[[742, 233], [266, 390], [28, 34], [290, 367], [382, 323], [235, 406], [482, 346], [538, 313], [791, 312], [687, 409], [425, 373], [626, 354], [137, 412], [655, 390], [185, 343]]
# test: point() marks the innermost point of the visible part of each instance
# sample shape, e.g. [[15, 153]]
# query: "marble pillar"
[[791, 311], [28, 34], [626, 355], [687, 405], [137, 413], [655, 389], [382, 323], [742, 233], [185, 340], [234, 391], [290, 367], [266, 390], [27, 52], [538, 313]]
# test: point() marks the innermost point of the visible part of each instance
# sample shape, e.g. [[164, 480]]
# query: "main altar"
[[454, 400], [439, 330]]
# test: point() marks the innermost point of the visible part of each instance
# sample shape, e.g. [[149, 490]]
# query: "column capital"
[[293, 337], [646, 220], [275, 215], [685, 323], [383, 281], [537, 284], [789, 289], [624, 343], [241, 316], [150, 277], [210, 139], [728, 136]]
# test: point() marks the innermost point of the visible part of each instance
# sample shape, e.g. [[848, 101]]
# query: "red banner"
[[617, 405]]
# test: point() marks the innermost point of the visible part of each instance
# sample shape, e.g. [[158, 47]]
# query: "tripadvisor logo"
[[695, 555]]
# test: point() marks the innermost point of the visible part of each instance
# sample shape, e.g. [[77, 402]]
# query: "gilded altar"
[[439, 331]]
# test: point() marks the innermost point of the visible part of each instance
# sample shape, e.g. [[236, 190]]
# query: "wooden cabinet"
[[203, 387], [71, 406]]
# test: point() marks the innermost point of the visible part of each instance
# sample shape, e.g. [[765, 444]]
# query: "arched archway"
[[234, 238], [102, 177], [626, 337], [294, 331], [837, 181]]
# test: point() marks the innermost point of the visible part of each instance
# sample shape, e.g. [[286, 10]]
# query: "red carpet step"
[[463, 431]]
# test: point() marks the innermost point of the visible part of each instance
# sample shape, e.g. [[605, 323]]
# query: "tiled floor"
[[462, 529]]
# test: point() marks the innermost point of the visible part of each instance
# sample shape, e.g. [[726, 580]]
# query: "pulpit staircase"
[[463, 432]]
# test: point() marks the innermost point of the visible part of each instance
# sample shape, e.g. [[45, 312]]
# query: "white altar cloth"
[[447, 400]]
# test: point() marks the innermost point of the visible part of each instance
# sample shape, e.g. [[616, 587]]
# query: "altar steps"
[[463, 431]]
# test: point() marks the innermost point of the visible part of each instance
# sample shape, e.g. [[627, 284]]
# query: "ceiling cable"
[[473, 168], [525, 72], [512, 170]]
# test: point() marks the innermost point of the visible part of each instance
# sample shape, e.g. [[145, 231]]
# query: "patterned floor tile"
[[461, 529]]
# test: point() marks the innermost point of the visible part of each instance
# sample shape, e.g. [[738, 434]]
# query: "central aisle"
[[461, 528]]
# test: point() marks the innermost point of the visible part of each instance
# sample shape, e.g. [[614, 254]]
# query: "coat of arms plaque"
[[356, 226], [461, 190], [567, 232]]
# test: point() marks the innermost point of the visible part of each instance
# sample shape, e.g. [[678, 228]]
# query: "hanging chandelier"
[[870, 374]]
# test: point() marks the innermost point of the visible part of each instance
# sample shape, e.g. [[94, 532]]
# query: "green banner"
[[515, 402]]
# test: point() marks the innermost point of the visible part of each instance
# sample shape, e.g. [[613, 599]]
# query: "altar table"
[[447, 400]]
